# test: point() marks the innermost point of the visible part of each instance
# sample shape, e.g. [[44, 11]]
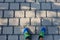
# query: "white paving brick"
[[22, 37], [46, 21], [13, 21], [20, 0], [0, 30], [51, 14], [40, 0], [32, 29], [35, 21], [3, 21], [52, 30], [46, 6], [12, 37], [30, 0], [35, 5], [9, 0], [18, 30], [4, 5], [56, 6], [56, 21], [58, 0], [50, 0], [25, 6], [19, 13], [14, 5], [1, 13], [48, 37], [56, 37], [24, 21], [8, 13], [58, 14], [2, 37], [35, 37], [40, 13], [7, 30], [30, 13]]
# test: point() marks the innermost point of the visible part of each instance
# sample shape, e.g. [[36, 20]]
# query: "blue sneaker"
[[26, 33]]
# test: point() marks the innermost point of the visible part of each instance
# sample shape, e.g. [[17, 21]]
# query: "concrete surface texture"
[[15, 14]]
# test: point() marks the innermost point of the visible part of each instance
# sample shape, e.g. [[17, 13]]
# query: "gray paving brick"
[[1, 0], [56, 21], [40, 0], [0, 30], [22, 37], [51, 12], [30, 13], [20, 0], [2, 37], [3, 21], [14, 5], [24, 21], [30, 0], [18, 30], [4, 5], [9, 0], [35, 37], [25, 6], [52, 30], [58, 14], [35, 21], [35, 5], [7, 30], [58, 0], [8, 13], [40, 13], [13, 21], [56, 37], [19, 13], [46, 21], [50, 0], [56, 6], [58, 29], [46, 6], [1, 13], [48, 37], [12, 37]]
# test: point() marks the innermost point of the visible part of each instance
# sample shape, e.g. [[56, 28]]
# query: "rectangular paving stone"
[[38, 28], [58, 0], [50, 0], [48, 37], [12, 37], [40, 0], [1, 0], [46, 21], [4, 5], [58, 29], [1, 13], [56, 6], [56, 37], [31, 28], [14, 5], [18, 30], [35, 37], [56, 21], [30, 13], [22, 37], [52, 30], [13, 21], [40, 13], [19, 13], [7, 30], [3, 21], [58, 13], [25, 5], [0, 30], [30, 0], [9, 0], [35, 21], [51, 14], [35, 5], [20, 0], [8, 13], [24, 21], [2, 37], [45, 5]]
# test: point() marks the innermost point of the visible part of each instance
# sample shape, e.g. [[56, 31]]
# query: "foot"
[[42, 31], [26, 33]]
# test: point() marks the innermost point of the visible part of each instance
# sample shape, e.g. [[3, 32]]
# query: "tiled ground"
[[15, 14]]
